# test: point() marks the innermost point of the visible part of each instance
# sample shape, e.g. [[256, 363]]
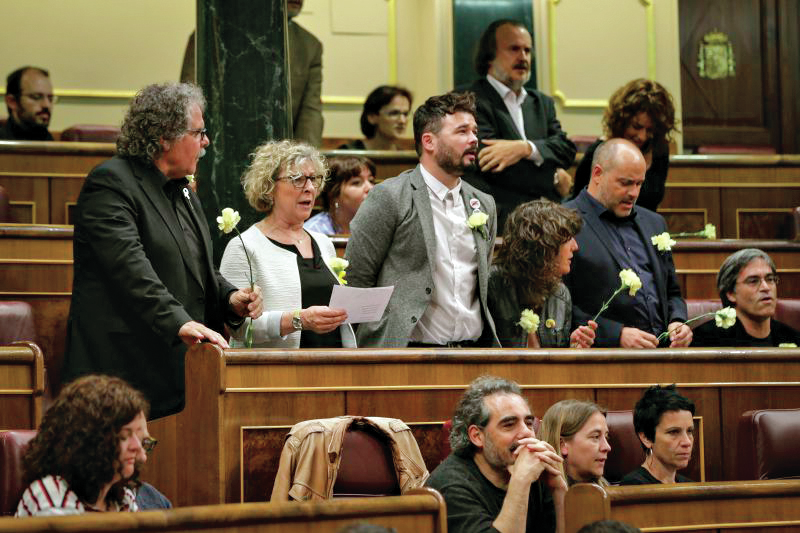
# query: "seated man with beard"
[[499, 477]]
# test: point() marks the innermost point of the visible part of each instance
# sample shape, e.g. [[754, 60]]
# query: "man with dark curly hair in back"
[[145, 286], [87, 452]]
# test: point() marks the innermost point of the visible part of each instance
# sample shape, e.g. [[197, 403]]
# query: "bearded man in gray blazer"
[[431, 235]]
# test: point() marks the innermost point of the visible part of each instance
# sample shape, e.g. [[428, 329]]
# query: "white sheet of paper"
[[362, 305]]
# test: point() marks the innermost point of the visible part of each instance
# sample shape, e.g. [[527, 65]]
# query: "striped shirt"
[[51, 495]]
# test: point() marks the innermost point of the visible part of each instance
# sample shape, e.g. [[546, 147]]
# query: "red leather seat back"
[[16, 322], [366, 467], [767, 447], [626, 453], [787, 310], [90, 133], [12, 448]]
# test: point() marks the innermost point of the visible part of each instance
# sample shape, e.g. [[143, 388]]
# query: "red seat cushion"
[[12, 448]]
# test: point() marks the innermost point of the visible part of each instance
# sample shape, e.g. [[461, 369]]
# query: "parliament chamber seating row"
[[224, 447], [745, 197]]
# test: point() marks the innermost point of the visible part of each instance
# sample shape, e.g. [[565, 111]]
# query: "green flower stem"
[[701, 233], [248, 334], [665, 334], [608, 302]]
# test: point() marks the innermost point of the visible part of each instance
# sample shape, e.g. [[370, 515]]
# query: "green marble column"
[[242, 68]]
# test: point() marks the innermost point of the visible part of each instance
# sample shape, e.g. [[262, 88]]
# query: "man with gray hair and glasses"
[[499, 477], [145, 287], [748, 282]]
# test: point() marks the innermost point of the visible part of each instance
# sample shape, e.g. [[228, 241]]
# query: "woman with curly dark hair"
[[86, 454], [538, 243], [641, 111]]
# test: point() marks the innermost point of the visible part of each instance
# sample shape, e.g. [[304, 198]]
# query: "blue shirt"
[[629, 246]]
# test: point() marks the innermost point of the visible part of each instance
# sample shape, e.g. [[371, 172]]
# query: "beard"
[[494, 456], [453, 163], [504, 76]]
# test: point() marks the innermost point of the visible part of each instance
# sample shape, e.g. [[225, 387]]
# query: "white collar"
[[503, 90], [439, 189]]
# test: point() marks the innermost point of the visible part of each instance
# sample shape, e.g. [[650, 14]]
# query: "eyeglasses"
[[199, 132], [299, 181], [148, 443], [396, 113], [38, 97], [755, 281]]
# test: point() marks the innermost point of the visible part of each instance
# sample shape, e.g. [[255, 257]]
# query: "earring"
[[336, 205]]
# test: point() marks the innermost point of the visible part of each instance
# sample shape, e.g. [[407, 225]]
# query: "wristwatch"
[[297, 322]]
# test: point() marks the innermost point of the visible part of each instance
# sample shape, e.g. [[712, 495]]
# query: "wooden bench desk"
[[420, 511], [225, 445], [747, 505], [21, 386]]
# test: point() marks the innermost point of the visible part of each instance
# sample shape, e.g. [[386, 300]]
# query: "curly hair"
[[78, 438], [532, 239], [379, 97], [486, 49], [428, 117], [655, 401], [633, 98], [158, 112], [563, 420], [472, 411], [269, 161], [342, 168]]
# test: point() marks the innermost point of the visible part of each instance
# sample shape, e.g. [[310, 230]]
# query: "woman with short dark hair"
[[87, 452], [663, 421], [383, 119], [538, 243], [350, 180]]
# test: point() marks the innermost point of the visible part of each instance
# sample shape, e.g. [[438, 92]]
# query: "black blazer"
[[595, 274], [523, 181], [133, 287]]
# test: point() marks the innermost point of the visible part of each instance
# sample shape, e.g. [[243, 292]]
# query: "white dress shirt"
[[454, 312], [514, 106]]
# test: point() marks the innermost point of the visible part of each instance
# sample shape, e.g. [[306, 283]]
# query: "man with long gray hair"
[[499, 477], [748, 282], [144, 285]]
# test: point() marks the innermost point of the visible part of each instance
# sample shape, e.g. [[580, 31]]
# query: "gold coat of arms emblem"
[[715, 58]]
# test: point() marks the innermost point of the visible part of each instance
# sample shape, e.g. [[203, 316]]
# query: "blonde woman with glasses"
[[291, 265]]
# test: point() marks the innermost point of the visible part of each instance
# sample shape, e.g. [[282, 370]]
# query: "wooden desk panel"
[[421, 511], [236, 388], [749, 505], [21, 386]]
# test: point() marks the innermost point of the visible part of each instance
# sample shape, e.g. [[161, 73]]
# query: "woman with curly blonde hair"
[[87, 452], [293, 266], [643, 112], [538, 243]]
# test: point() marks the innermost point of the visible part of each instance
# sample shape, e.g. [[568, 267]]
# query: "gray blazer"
[[392, 242], [506, 310]]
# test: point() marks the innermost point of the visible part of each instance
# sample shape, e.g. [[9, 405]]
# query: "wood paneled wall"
[[746, 197], [198, 460]]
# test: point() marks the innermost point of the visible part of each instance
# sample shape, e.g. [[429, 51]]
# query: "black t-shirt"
[[641, 476], [709, 335], [473, 502]]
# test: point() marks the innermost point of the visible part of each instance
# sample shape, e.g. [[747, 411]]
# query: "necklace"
[[285, 234]]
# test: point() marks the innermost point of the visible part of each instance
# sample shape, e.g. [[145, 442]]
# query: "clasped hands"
[[680, 336], [534, 458], [246, 303]]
